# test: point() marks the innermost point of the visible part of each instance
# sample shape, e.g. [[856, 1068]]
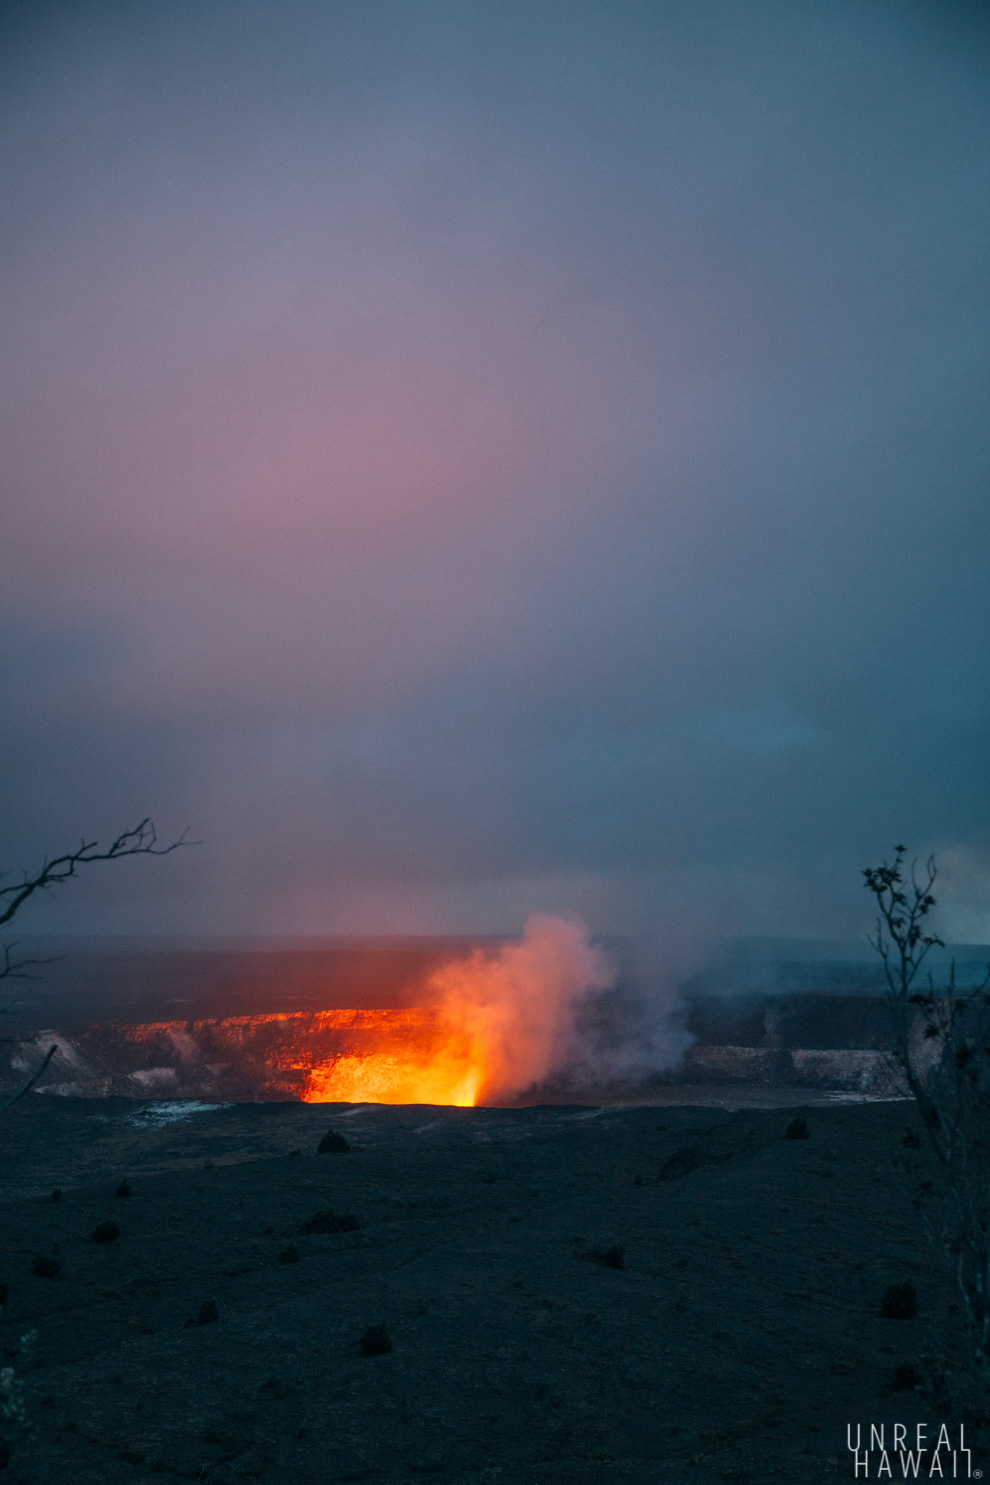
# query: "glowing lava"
[[498, 1023], [384, 1078], [505, 1020]]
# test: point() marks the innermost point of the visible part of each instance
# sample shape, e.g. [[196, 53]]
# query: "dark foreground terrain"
[[741, 1336]]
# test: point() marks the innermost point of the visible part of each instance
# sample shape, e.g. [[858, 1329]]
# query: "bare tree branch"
[[141, 841], [16, 969], [31, 1081]]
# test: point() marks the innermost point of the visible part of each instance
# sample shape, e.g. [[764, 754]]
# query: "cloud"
[[450, 455]]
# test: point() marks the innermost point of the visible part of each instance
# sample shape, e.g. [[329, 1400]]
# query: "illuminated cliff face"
[[376, 1056], [384, 1056], [339, 1056], [422, 1060], [500, 1022], [359, 1056]]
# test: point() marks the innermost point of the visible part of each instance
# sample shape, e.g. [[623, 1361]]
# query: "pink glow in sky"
[[468, 461]]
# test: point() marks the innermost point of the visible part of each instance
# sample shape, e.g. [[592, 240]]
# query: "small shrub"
[[907, 1374], [44, 1267], [900, 1301], [57, 1194], [206, 1314], [289, 1254], [332, 1143], [294, 1152], [910, 1139], [105, 1232], [681, 1163], [613, 1256], [125, 1189], [278, 1387], [376, 1341], [4, 1293], [798, 1130], [323, 1222]]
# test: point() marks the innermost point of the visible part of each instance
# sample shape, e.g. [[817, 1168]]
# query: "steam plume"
[[518, 1007]]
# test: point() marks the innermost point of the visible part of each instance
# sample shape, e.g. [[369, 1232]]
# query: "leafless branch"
[[16, 969], [31, 1081], [141, 841]]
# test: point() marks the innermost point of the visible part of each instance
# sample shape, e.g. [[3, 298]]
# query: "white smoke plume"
[[551, 1007]]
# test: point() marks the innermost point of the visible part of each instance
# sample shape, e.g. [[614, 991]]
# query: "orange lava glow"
[[426, 1058], [503, 1019], [337, 1056], [496, 1024], [416, 1055], [383, 1078]]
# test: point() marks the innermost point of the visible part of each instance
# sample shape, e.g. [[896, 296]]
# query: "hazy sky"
[[465, 459]]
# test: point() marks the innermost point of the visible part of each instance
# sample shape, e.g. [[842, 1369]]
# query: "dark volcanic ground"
[[737, 1342]]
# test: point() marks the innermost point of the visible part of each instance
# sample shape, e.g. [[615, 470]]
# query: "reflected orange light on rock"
[[386, 1056], [495, 1024], [443, 1057], [447, 1078]]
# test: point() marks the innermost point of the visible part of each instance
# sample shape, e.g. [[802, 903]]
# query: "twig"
[[31, 1081], [141, 841]]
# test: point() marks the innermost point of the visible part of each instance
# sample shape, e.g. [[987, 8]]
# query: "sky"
[[466, 459]]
